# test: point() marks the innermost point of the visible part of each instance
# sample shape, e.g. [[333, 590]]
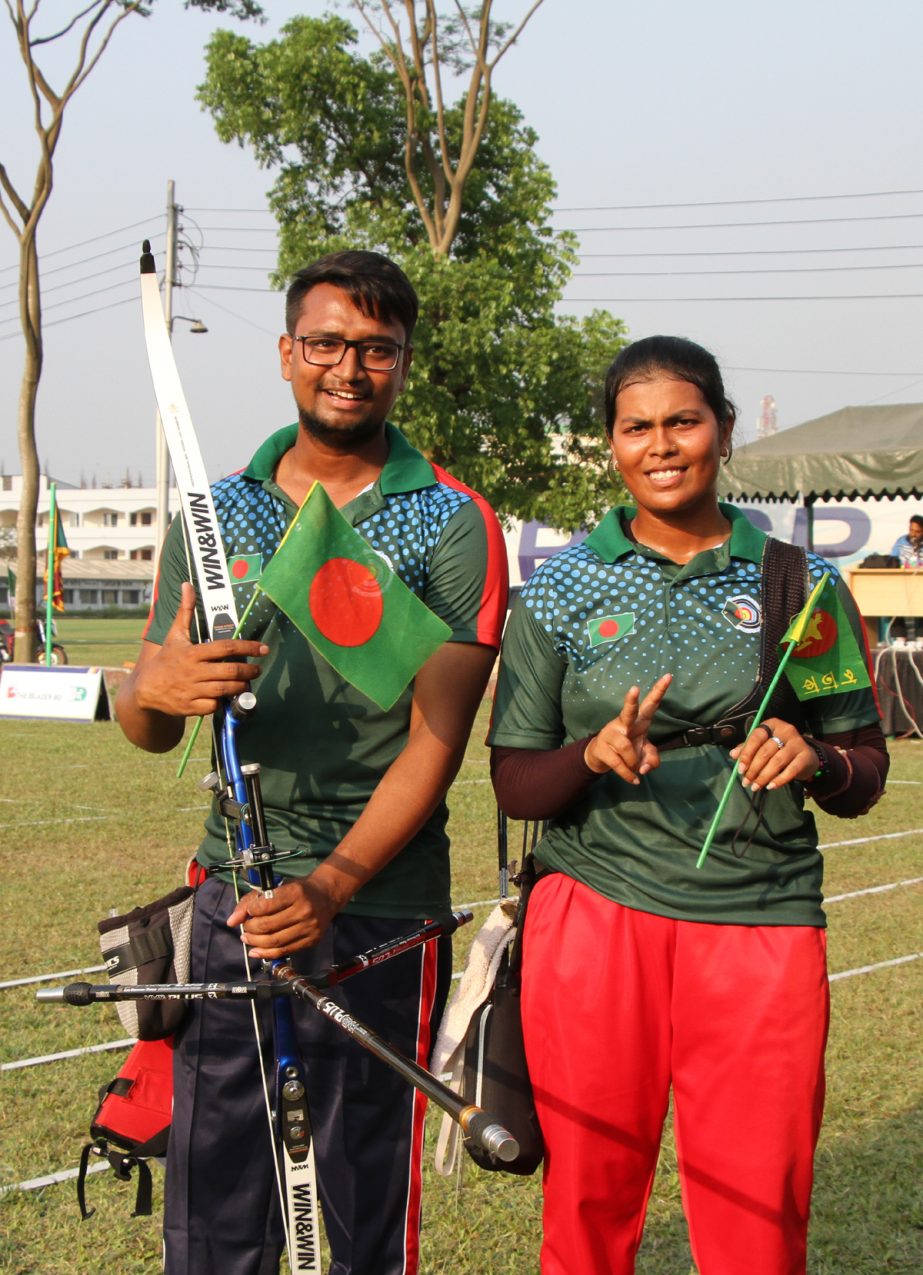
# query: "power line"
[[231, 287], [83, 296], [724, 203], [261, 211], [56, 252], [242, 230], [97, 274], [9, 336], [814, 371], [223, 247], [729, 225], [210, 301], [730, 252], [671, 274], [74, 265], [225, 265], [873, 296]]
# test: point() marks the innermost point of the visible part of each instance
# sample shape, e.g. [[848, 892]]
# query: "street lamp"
[[197, 327]]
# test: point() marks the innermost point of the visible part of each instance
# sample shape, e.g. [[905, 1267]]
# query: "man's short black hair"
[[374, 284]]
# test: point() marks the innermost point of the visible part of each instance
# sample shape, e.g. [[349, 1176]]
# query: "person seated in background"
[[909, 548]]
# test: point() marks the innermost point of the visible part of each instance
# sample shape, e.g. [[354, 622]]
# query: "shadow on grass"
[[868, 1206]]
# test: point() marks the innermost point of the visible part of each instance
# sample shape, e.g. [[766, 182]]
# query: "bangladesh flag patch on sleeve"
[[608, 628]]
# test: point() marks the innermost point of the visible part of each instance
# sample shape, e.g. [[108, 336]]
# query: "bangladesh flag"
[[826, 659], [609, 627], [245, 567], [348, 602]]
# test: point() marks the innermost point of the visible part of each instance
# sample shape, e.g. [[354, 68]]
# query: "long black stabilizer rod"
[[90, 993], [483, 1128]]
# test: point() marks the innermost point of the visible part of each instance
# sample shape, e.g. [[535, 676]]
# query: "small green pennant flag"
[[349, 604], [819, 656], [607, 628], [826, 659]]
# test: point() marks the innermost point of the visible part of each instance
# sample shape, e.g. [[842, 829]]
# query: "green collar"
[[610, 541], [406, 469]]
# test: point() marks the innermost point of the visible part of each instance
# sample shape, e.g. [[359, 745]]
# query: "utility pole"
[[162, 464]]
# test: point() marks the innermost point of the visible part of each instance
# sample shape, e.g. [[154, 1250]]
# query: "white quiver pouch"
[[480, 1045]]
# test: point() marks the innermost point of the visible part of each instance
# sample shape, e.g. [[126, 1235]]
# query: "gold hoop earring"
[[612, 470]]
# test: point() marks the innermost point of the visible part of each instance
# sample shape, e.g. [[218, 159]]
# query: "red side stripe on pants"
[[424, 1042]]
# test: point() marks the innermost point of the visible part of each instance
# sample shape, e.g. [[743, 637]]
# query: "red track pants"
[[619, 1005]]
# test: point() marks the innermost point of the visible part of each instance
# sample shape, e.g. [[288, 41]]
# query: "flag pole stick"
[[50, 564], [734, 773], [793, 636]]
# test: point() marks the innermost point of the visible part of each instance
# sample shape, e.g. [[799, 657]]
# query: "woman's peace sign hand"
[[622, 745]]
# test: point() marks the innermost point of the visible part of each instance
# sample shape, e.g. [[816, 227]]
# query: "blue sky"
[[778, 145]]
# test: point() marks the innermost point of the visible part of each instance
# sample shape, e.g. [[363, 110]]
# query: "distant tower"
[[766, 423]]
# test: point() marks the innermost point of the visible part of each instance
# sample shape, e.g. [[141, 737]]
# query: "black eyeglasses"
[[328, 351]]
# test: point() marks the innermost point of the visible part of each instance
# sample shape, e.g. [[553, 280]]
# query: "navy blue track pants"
[[221, 1211]]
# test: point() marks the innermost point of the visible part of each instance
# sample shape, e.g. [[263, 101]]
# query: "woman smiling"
[[631, 671]]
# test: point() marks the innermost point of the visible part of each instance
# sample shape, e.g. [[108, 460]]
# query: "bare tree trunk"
[[22, 215], [415, 58], [30, 314]]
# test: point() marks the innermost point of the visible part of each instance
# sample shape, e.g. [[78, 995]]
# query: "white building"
[[111, 534]]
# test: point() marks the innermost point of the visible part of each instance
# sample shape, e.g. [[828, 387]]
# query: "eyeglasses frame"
[[350, 345]]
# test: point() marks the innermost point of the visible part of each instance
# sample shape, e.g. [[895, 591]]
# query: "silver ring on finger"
[[777, 741]]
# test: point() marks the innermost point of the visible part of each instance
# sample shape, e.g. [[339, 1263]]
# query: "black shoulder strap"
[[783, 590], [784, 570]]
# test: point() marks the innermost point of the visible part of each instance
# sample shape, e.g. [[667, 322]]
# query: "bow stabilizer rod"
[[483, 1128]]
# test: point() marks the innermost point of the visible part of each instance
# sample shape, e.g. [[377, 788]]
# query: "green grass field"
[[92, 825], [99, 642]]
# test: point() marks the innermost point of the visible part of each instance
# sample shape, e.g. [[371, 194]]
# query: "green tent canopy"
[[855, 453]]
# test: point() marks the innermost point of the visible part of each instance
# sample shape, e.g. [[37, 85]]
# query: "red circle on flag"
[[608, 628], [345, 601], [239, 569], [819, 638]]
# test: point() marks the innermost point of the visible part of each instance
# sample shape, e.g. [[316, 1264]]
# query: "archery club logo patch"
[[744, 613]]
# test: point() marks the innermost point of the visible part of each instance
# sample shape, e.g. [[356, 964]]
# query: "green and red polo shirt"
[[609, 614], [323, 745]]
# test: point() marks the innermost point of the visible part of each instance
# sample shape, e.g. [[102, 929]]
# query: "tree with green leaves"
[[85, 32], [368, 152]]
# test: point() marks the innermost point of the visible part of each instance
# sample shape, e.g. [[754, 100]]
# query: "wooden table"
[[882, 592]]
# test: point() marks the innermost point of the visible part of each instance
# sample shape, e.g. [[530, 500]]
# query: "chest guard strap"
[[784, 577]]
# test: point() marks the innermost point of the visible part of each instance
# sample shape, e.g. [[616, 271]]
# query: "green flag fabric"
[[826, 659], [349, 604]]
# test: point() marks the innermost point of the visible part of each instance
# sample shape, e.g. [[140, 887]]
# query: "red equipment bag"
[[132, 1121]]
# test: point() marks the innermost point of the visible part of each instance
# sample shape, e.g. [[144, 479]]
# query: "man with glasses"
[[358, 792]]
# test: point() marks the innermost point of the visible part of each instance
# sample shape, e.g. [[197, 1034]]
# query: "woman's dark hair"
[[673, 357], [374, 284]]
